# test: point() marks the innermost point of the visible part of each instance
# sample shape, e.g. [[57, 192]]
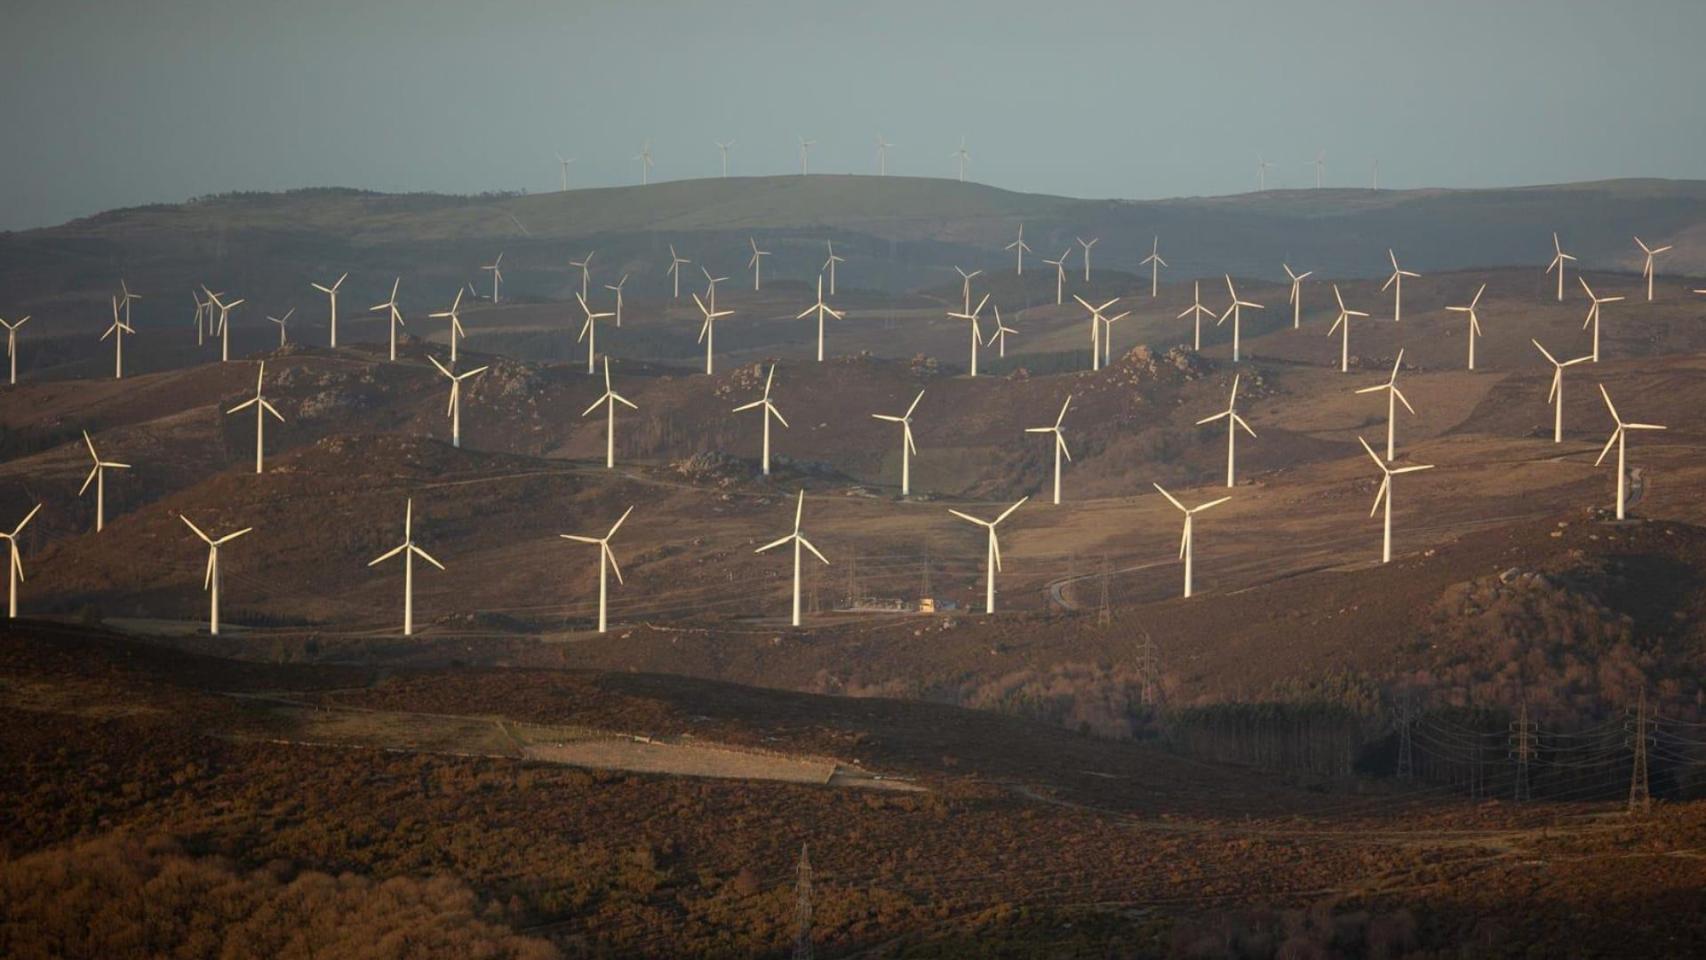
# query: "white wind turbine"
[[674, 271], [1394, 396], [281, 321], [1385, 494], [1619, 437], [962, 156], [1320, 164], [1296, 298], [1233, 423], [589, 333], [1474, 321], [117, 332], [1196, 311], [1095, 328], [606, 561], [1155, 264], [585, 265], [1020, 248], [224, 328], [1087, 246], [756, 264], [563, 163], [999, 337], [1262, 172], [645, 159], [976, 330], [455, 410], [708, 332], [332, 293], [965, 287], [409, 551], [829, 265], [454, 315], [210, 582], [1108, 336], [496, 266], [1235, 312], [992, 552], [203, 313], [612, 398], [98, 477], [1593, 313], [711, 287], [799, 540], [907, 447], [1559, 258], [15, 562], [1396, 282], [805, 155], [822, 310], [616, 288], [395, 314], [125, 297], [1059, 444], [262, 408], [1187, 543], [723, 149], [1343, 325], [883, 156], [1647, 268], [12, 344], [1059, 275], [766, 409], [1555, 395]]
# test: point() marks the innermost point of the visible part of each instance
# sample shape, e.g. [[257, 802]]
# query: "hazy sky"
[[108, 103]]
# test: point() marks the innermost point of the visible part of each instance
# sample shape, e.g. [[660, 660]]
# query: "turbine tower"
[[281, 321], [1196, 311], [1396, 282], [829, 265], [606, 559], [1019, 248], [767, 410], [1087, 246], [589, 333], [611, 398], [1296, 298], [396, 315], [992, 552], [210, 582], [454, 315], [616, 288], [1555, 395], [1155, 264], [799, 540], [496, 266], [1233, 423], [1187, 543], [262, 406], [907, 447], [1394, 396], [1593, 313], [976, 332], [409, 551], [708, 332], [1619, 437], [822, 310], [98, 477], [1384, 494], [331, 293], [756, 264], [674, 271], [12, 345], [1059, 444], [1343, 325], [15, 562], [1646, 269], [1474, 322], [455, 410], [1559, 258], [1235, 311], [117, 332]]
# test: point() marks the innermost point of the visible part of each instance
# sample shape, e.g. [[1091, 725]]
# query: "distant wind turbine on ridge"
[[606, 563], [883, 156], [822, 310], [1233, 423], [1187, 542], [645, 159], [767, 410], [1594, 303], [999, 337], [1235, 311], [15, 562], [12, 345], [1559, 259], [585, 265], [1396, 282], [907, 447], [756, 264], [805, 155], [262, 406], [674, 271], [98, 477], [1296, 297], [409, 551], [992, 550], [830, 263], [708, 331], [281, 321], [1474, 322], [1092, 242], [799, 541], [965, 286], [1155, 264], [1555, 395], [1394, 396], [564, 162], [610, 398], [332, 293], [496, 267], [1059, 266], [1196, 311], [1619, 437], [211, 580], [455, 411], [1647, 267], [723, 148], [589, 333], [971, 317], [454, 315], [616, 288], [962, 156], [1059, 444], [1343, 326], [1320, 165], [1384, 494], [395, 313], [1020, 248], [117, 332]]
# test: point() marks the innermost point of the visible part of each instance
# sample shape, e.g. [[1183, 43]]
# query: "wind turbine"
[[455, 410], [203, 313], [12, 344], [1234, 310], [799, 540], [1385, 494], [645, 158], [1262, 172], [1187, 543], [1087, 246], [708, 332], [1646, 270], [1474, 321], [1396, 282], [564, 163], [454, 315], [999, 337], [117, 332], [767, 410], [907, 447], [1108, 336], [1559, 257], [585, 263], [805, 154], [962, 156], [396, 314], [757, 264], [98, 477], [830, 265], [262, 408], [1343, 325], [1020, 248], [1394, 396], [611, 398], [15, 562], [1059, 444], [822, 309], [976, 331], [965, 287], [606, 559], [496, 266], [1296, 297], [210, 582], [125, 297], [711, 287], [332, 293], [281, 321], [224, 328], [674, 270], [1095, 328], [1619, 437], [1320, 164], [1196, 311], [409, 551], [589, 333], [883, 156], [1593, 313], [1555, 395], [1233, 423], [617, 289], [1059, 275], [723, 148], [1155, 264], [992, 552]]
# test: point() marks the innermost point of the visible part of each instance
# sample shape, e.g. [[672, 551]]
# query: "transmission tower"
[[1148, 671], [1639, 799], [1105, 616], [803, 908], [1521, 742], [1406, 744]]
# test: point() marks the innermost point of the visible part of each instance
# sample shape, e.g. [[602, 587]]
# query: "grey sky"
[[106, 103]]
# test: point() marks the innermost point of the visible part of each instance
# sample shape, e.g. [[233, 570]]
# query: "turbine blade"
[[388, 554]]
